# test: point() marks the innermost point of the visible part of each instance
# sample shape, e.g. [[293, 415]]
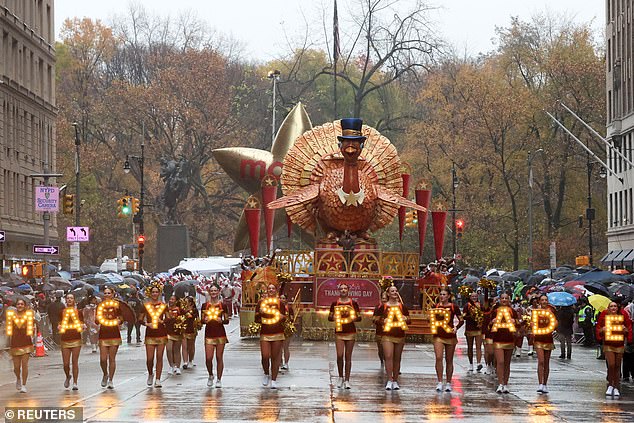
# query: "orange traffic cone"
[[39, 346]]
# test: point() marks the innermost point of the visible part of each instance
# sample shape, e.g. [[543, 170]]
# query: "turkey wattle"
[[343, 176]]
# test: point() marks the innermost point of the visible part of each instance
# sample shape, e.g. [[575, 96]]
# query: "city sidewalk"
[[576, 386]]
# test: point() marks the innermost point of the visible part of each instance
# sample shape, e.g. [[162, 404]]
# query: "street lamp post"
[[530, 207], [590, 211], [138, 218], [273, 75], [77, 191]]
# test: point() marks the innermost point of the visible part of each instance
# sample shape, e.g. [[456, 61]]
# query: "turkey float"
[[344, 178]]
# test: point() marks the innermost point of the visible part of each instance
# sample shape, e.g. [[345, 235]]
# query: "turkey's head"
[[351, 140]]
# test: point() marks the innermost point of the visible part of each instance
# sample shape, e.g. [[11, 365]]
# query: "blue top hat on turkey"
[[351, 130]]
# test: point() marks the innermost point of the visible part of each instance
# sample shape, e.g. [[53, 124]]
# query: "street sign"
[[74, 257], [46, 199], [77, 234], [2, 236], [52, 250], [553, 255]]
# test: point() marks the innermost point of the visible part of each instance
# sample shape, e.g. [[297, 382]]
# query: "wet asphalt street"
[[306, 394]]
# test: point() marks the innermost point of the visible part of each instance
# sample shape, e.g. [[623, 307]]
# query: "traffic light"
[[28, 271], [69, 203], [141, 244], [136, 206], [411, 218], [459, 227], [124, 207]]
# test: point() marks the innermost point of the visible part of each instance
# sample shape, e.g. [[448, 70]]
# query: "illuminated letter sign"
[[440, 317], [394, 319], [340, 321], [537, 318], [70, 320], [503, 320], [614, 327]]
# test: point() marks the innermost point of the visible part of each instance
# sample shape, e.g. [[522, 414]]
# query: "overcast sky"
[[262, 25]]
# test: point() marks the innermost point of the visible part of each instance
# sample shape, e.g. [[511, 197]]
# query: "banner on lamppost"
[[46, 199]]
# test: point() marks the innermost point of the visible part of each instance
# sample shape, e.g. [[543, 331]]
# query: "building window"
[[610, 210], [626, 206], [631, 207], [620, 216]]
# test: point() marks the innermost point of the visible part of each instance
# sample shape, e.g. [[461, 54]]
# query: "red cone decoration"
[[252, 211], [423, 195], [438, 219]]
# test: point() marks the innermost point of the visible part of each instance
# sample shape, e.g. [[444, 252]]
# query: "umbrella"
[[46, 287], [572, 284], [599, 302], [547, 282], [597, 288], [600, 276], [535, 279], [110, 278], [25, 287], [181, 271], [131, 281], [560, 274], [577, 291], [561, 299], [60, 283], [516, 276], [621, 272], [64, 274], [622, 290], [185, 287]]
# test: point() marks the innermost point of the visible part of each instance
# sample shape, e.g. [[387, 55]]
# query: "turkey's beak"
[[351, 149]]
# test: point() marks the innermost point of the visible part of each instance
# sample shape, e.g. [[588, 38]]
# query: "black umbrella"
[[88, 270], [522, 274], [182, 288], [625, 291], [535, 279], [181, 271], [597, 288]]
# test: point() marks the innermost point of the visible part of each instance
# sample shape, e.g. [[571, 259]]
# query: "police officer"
[[585, 318]]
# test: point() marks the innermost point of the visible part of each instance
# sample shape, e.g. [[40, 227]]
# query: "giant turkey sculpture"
[[343, 177]]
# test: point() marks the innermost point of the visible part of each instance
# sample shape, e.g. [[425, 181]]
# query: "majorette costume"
[[190, 331], [290, 318], [214, 330], [612, 345], [395, 334], [350, 311], [473, 317], [71, 337], [544, 341], [109, 335], [443, 336], [487, 316], [268, 312], [23, 327], [173, 334], [503, 338], [378, 336], [155, 335]]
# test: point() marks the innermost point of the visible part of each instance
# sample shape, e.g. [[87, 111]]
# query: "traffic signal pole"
[[77, 195]]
